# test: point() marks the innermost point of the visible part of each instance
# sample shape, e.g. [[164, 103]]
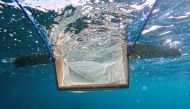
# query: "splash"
[[172, 44], [48, 5], [90, 26]]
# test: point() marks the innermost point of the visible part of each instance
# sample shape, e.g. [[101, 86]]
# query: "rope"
[[145, 20], [37, 28]]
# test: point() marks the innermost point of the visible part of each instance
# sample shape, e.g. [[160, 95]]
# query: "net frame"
[[59, 69]]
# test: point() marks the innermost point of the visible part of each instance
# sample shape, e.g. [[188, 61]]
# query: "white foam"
[[148, 3], [155, 27], [46, 5], [187, 14], [172, 44], [164, 33]]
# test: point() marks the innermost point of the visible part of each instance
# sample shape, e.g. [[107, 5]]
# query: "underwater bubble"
[[144, 88], [10, 34], [147, 73], [13, 15], [36, 41], [30, 32], [5, 30], [138, 101], [4, 60], [136, 81], [38, 49]]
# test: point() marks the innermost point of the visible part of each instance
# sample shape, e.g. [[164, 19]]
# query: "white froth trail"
[[47, 5]]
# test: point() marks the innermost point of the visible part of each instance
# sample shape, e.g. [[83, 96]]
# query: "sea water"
[[154, 83]]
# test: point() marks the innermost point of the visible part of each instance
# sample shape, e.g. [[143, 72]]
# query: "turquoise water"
[[154, 83]]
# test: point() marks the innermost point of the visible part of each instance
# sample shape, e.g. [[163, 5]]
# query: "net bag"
[[92, 48]]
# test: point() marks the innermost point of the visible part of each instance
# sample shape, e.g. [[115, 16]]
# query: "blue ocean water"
[[154, 83]]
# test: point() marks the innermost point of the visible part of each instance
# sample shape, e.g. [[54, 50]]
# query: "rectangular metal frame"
[[60, 74]]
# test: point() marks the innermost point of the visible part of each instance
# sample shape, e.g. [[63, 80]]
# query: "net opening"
[[118, 78]]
